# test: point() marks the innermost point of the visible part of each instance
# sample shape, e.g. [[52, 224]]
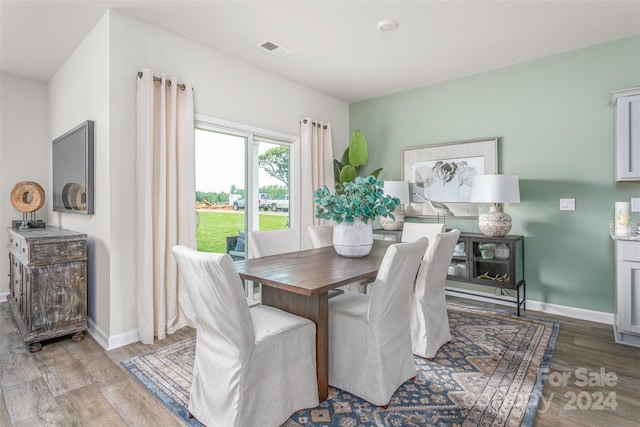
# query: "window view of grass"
[[221, 161], [214, 227]]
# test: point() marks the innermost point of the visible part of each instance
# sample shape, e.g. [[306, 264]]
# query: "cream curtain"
[[165, 202], [317, 169]]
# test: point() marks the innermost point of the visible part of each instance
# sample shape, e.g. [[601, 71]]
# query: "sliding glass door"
[[243, 182]]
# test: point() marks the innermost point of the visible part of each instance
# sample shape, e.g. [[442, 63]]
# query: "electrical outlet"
[[635, 205], [567, 204]]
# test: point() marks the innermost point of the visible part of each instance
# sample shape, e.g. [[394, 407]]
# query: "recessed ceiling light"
[[387, 25]]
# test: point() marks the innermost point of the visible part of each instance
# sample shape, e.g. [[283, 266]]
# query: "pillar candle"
[[622, 210]]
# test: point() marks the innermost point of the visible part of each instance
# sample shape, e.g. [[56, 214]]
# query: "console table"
[[48, 283], [382, 234], [507, 273]]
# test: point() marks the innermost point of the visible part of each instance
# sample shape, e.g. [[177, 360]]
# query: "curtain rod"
[[313, 123], [168, 82]]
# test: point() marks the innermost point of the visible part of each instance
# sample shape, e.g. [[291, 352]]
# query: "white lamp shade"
[[495, 189], [399, 189]]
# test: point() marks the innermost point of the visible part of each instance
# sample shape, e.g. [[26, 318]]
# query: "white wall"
[[224, 88], [98, 82], [24, 150], [79, 91]]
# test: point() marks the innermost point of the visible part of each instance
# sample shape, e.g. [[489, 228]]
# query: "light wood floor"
[[79, 384]]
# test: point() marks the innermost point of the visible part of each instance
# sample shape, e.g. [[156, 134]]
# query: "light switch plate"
[[635, 204], [567, 204]]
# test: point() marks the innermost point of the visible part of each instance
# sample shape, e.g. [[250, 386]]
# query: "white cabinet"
[[627, 134], [627, 303]]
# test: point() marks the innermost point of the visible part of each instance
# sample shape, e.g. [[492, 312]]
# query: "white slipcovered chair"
[[429, 320], [273, 242], [414, 230], [321, 235], [253, 367], [369, 341]]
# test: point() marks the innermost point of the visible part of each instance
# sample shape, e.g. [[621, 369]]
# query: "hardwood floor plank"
[[596, 346], [594, 359], [10, 341], [87, 406], [62, 372], [18, 366], [94, 361], [136, 406], [31, 403], [548, 415], [4, 414]]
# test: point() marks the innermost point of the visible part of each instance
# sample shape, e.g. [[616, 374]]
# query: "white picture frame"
[[442, 173]]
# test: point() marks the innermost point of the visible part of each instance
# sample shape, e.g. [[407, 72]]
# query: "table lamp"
[[495, 189], [399, 189]]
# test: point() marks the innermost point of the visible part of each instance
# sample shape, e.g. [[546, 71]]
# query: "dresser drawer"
[[46, 251], [56, 252], [14, 243], [18, 245]]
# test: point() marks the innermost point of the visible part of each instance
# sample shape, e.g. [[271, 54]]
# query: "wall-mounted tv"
[[73, 170]]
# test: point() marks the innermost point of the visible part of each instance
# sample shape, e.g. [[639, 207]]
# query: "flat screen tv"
[[73, 170]]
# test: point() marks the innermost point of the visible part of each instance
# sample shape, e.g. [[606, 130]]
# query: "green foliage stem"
[[348, 167], [358, 150]]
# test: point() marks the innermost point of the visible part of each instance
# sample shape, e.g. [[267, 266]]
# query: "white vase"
[[353, 239]]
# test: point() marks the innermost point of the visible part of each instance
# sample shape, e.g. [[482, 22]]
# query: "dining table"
[[298, 282]]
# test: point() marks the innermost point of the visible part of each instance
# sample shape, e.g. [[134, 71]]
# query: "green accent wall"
[[556, 132]]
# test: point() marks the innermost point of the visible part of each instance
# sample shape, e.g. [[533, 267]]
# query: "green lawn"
[[215, 226]]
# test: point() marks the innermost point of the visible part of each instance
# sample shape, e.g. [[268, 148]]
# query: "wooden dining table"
[[299, 282]]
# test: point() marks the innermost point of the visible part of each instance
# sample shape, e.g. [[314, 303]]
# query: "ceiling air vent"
[[274, 48]]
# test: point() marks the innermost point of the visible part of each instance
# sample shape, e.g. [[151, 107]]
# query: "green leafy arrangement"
[[356, 155], [363, 198]]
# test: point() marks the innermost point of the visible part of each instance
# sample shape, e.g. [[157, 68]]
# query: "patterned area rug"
[[487, 375]]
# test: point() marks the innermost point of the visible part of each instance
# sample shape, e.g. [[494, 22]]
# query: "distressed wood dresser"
[[48, 283]]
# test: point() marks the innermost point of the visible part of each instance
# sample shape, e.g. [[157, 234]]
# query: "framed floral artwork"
[[440, 176]]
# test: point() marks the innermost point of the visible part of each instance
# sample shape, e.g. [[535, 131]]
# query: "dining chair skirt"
[[253, 367], [428, 308], [369, 341]]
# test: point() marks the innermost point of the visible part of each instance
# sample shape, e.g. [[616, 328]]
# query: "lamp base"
[[494, 223], [389, 224]]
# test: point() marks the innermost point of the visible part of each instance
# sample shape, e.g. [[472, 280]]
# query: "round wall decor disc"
[[27, 196]]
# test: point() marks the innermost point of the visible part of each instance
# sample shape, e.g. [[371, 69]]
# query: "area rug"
[[487, 375]]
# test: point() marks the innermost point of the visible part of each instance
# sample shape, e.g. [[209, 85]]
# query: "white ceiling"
[[336, 46]]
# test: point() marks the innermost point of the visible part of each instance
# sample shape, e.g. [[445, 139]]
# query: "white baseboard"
[[576, 313], [544, 307], [110, 343], [98, 334]]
